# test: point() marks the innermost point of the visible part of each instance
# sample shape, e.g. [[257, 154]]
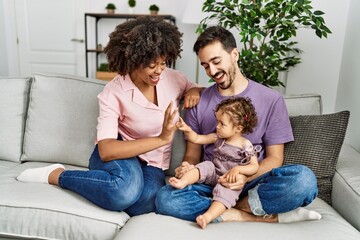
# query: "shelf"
[[105, 75], [94, 50], [127, 16]]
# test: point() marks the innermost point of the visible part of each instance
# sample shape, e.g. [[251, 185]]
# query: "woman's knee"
[[118, 197]]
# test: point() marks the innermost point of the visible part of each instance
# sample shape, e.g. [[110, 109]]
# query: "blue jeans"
[[119, 185], [280, 190]]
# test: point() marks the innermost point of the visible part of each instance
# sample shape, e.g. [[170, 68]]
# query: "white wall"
[[348, 94], [329, 66], [3, 53], [321, 61]]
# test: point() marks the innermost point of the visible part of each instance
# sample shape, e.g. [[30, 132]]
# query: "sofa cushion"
[[43, 211], [13, 103], [317, 144], [153, 226], [62, 119]]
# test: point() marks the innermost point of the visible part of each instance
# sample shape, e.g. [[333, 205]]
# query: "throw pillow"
[[317, 144]]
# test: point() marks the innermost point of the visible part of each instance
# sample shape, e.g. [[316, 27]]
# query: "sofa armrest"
[[346, 185]]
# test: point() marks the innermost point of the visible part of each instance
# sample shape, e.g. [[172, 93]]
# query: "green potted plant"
[[154, 9], [132, 4], [110, 8], [266, 29], [103, 72]]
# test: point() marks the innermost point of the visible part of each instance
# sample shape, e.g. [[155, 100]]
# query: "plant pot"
[[105, 75], [153, 13], [110, 11], [131, 10]]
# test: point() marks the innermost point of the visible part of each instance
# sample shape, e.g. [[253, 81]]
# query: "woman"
[[138, 110]]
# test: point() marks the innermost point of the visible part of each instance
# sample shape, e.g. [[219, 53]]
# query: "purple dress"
[[225, 157]]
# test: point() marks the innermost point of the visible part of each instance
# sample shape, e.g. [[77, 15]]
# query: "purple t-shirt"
[[273, 125]]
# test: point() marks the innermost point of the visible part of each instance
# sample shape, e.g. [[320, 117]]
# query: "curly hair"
[[242, 112], [138, 42]]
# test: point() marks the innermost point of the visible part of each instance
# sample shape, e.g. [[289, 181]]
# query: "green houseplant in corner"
[[110, 8], [267, 29]]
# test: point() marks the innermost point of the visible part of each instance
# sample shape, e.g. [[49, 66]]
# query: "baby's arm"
[[193, 136], [250, 169]]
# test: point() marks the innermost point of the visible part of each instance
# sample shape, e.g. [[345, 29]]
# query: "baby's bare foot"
[[202, 221], [176, 183]]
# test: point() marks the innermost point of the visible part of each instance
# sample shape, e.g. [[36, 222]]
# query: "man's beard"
[[231, 77]]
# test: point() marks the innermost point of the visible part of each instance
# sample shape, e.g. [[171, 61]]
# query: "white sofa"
[[50, 118]]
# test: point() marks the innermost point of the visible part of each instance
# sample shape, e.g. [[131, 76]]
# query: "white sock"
[[38, 175], [298, 215]]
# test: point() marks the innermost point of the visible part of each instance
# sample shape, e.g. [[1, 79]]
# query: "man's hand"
[[237, 182], [182, 169], [192, 97]]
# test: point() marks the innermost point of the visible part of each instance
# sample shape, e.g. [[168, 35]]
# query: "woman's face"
[[149, 75]]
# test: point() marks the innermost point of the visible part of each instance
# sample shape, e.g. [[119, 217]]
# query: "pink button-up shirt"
[[125, 110]]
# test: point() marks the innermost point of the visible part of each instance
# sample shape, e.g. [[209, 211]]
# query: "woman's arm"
[[110, 149]]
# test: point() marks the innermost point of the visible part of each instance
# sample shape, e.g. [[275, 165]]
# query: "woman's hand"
[[237, 182], [182, 169], [192, 97], [169, 127]]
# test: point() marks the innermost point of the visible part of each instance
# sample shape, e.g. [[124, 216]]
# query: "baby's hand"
[[181, 125], [231, 175]]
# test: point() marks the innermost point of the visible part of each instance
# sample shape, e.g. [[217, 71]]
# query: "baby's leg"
[[215, 210], [190, 177]]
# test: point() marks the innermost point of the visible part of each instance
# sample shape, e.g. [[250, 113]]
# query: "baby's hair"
[[138, 42], [241, 111]]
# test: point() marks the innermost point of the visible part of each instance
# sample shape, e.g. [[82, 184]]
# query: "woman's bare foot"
[[177, 183], [203, 220]]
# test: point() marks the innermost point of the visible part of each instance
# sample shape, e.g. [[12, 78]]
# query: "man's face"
[[219, 64]]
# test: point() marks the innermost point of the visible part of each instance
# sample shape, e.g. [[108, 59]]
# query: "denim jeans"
[[119, 185], [280, 190]]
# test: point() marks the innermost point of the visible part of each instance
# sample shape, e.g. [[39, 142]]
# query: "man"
[[275, 193]]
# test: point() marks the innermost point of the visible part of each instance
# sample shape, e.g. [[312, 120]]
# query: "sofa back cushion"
[[14, 93], [303, 104], [62, 119], [317, 143]]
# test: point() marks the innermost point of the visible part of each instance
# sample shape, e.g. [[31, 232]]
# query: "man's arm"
[[274, 158], [191, 158]]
